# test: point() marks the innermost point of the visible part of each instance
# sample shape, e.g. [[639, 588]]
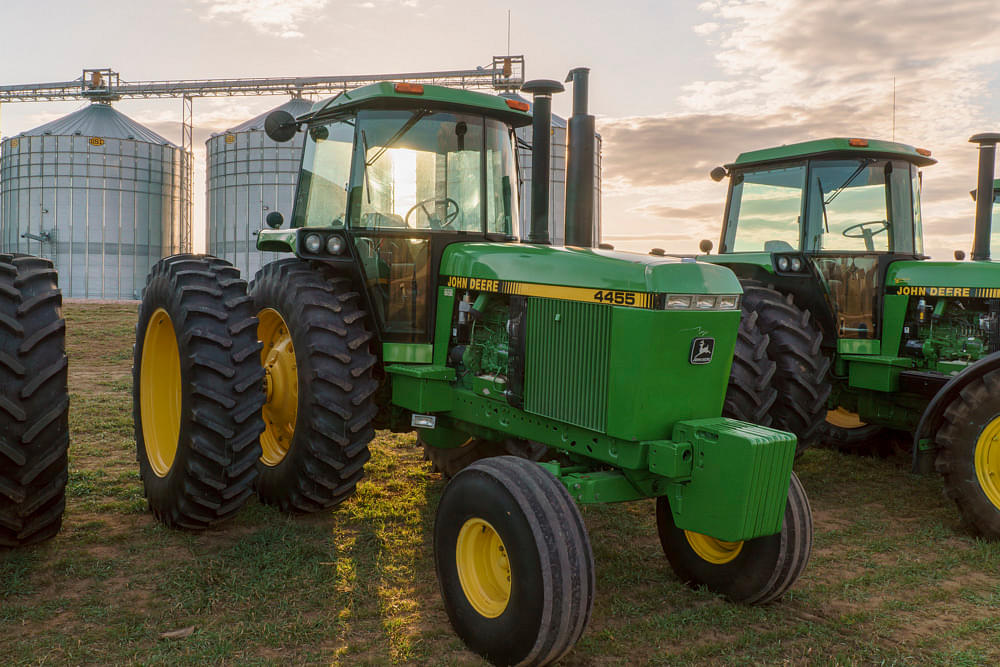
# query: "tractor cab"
[[392, 174], [834, 211]]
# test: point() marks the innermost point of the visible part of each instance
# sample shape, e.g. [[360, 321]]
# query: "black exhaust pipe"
[[541, 91], [984, 194], [580, 165]]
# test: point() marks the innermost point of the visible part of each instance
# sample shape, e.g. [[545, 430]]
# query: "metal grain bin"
[[97, 193], [248, 176]]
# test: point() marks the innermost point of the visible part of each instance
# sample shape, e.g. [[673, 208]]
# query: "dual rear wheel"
[[236, 392]]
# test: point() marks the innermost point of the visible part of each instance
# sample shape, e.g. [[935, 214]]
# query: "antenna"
[[893, 108], [508, 32]]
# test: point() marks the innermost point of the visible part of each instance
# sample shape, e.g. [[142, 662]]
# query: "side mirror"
[[280, 126], [959, 255], [718, 174], [705, 246], [274, 219]]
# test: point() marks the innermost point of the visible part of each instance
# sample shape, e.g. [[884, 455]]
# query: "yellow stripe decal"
[[585, 294]]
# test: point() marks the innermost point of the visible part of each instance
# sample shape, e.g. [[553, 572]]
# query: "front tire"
[[513, 562], [320, 389], [197, 391], [800, 378], [751, 572], [969, 454], [34, 402]]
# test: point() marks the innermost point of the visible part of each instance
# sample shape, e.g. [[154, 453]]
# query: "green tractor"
[[868, 334], [409, 299], [34, 401]]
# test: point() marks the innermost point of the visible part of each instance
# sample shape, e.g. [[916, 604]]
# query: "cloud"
[[796, 70], [282, 18]]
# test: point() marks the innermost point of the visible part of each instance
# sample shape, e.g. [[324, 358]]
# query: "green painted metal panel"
[[653, 384], [407, 353], [834, 145], [877, 372], [566, 366], [277, 240], [384, 94], [910, 276], [759, 260], [858, 346], [586, 267]]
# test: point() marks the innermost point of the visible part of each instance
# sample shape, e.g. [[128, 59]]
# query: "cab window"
[[321, 199], [765, 208]]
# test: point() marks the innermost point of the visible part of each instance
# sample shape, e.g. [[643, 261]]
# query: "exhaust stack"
[[580, 165], [541, 91], [984, 194]]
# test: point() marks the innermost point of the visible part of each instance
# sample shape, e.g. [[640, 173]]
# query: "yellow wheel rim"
[[715, 551], [160, 392], [844, 418], [987, 461], [281, 378], [483, 567]]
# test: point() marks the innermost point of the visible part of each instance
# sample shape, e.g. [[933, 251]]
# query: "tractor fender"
[[934, 413]]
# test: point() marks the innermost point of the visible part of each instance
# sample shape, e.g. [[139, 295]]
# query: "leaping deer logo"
[[702, 350]]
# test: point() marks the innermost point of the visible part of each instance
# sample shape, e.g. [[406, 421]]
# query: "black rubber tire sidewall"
[[507, 638]]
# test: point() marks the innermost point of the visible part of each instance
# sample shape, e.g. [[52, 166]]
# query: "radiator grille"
[[566, 370]]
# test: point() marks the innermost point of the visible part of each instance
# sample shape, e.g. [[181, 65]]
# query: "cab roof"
[[391, 95], [829, 147]]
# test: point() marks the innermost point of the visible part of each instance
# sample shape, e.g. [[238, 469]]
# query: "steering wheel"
[[866, 233], [449, 215]]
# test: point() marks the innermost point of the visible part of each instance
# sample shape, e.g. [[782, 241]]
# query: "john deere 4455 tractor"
[[407, 293], [868, 335]]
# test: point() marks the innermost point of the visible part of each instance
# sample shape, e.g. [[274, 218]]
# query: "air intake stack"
[[580, 165], [541, 91], [984, 193]]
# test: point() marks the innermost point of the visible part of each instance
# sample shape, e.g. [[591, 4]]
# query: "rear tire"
[[34, 402], [329, 422], [513, 561], [752, 572], [449, 462], [197, 391], [750, 395], [969, 454], [800, 379]]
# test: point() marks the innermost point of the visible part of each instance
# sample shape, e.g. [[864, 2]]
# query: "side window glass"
[[765, 209], [326, 171]]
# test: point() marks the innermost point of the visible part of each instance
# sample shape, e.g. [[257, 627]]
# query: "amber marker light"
[[518, 104], [858, 143], [924, 152], [410, 88]]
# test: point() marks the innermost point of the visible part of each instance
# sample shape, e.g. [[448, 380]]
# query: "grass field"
[[893, 576]]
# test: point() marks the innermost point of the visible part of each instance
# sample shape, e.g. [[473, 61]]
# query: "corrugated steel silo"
[[97, 193], [248, 176], [557, 178]]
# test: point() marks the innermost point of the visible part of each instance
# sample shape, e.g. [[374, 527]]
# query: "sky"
[[677, 87]]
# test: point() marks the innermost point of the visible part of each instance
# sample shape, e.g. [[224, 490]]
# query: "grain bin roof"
[[99, 120], [295, 106]]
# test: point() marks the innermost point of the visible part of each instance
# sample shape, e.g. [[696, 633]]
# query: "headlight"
[[729, 302], [313, 243], [796, 264], [335, 245], [678, 301], [782, 263], [704, 302]]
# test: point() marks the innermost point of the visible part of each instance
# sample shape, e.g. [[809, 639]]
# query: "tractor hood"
[[586, 267], [906, 275]]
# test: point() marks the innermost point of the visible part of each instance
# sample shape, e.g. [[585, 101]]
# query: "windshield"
[[321, 199], [860, 205], [418, 169]]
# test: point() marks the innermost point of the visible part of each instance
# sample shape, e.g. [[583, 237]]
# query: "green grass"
[[893, 577]]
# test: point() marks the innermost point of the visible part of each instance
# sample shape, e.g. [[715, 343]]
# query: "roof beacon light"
[[518, 105], [410, 88], [858, 143], [924, 152]]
